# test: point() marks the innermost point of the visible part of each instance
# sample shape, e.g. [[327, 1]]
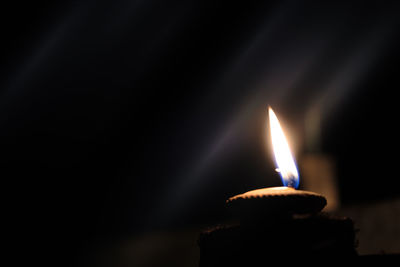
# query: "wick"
[[291, 182]]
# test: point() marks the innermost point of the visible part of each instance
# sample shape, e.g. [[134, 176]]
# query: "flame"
[[283, 157]]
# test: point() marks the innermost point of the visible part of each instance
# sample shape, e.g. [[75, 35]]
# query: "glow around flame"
[[283, 157]]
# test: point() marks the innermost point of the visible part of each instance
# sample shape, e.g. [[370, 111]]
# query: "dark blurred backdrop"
[[120, 118]]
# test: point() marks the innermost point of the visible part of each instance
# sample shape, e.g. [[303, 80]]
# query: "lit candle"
[[276, 222], [285, 199]]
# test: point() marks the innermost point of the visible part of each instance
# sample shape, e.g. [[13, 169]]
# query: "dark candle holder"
[[276, 223]]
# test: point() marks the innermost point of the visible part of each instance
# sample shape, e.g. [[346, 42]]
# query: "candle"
[[277, 222], [285, 199]]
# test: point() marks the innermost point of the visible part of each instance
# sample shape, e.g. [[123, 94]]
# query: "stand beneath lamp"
[[276, 222]]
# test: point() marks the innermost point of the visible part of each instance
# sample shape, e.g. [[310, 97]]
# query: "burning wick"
[[284, 199]]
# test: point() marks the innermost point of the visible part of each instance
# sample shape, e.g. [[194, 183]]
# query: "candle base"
[[276, 222]]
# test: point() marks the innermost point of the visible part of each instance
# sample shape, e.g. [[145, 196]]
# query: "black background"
[[126, 116]]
